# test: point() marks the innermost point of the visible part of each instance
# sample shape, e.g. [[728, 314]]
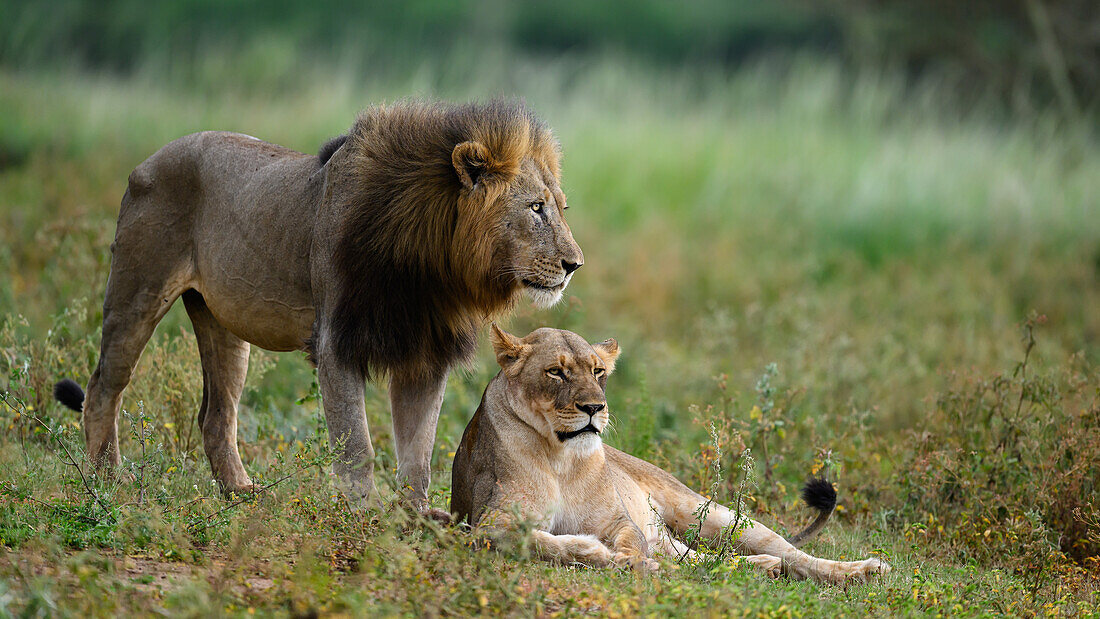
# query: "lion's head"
[[449, 213], [534, 248], [559, 380]]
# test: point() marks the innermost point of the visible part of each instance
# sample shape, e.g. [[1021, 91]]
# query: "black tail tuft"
[[819, 494], [70, 394]]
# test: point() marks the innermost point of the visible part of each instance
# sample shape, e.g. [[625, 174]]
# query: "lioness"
[[383, 255], [534, 445]]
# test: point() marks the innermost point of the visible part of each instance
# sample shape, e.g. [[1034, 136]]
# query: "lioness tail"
[[819, 494], [69, 393]]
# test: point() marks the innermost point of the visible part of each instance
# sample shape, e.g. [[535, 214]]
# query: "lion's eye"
[[598, 372], [537, 206], [556, 373]]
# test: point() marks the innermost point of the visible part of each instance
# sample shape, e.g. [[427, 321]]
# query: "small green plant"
[[1006, 464]]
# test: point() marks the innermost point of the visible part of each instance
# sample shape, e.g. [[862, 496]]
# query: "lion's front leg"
[[630, 546], [501, 530], [342, 393], [414, 407], [570, 549]]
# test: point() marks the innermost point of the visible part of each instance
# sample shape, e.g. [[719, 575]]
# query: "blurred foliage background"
[[1026, 52]]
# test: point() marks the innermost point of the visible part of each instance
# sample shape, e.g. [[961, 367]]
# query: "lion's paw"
[[770, 565], [869, 568], [438, 515], [239, 491], [590, 551], [644, 565]]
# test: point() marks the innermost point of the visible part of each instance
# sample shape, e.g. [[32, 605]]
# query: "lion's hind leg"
[[758, 539], [224, 365], [139, 294], [760, 545], [673, 548], [127, 326]]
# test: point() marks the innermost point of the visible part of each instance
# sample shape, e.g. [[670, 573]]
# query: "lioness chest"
[[584, 500]]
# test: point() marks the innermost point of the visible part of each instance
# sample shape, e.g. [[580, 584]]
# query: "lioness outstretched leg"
[[674, 548], [757, 539], [224, 365], [680, 507]]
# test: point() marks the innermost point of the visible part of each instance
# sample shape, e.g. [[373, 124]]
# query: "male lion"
[[534, 445], [383, 255]]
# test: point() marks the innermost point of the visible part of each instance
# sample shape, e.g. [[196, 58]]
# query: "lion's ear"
[[471, 160], [507, 347], [608, 350]]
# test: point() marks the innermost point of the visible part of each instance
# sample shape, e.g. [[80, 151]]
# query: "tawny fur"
[[526, 453]]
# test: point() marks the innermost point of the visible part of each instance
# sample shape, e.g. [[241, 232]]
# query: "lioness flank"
[[383, 255], [533, 449]]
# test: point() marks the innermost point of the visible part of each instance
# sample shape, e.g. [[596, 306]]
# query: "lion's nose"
[[591, 409], [570, 266]]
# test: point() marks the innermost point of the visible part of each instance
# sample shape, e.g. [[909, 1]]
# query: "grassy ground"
[[881, 248]]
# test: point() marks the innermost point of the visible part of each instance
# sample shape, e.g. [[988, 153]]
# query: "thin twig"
[[251, 495], [68, 459], [12, 488], [71, 461], [144, 437]]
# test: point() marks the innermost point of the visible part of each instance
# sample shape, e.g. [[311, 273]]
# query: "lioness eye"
[[597, 372], [556, 373], [536, 206]]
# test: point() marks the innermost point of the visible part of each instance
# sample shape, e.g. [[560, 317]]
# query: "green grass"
[[877, 243]]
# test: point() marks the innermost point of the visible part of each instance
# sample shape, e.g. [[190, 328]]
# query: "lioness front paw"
[[772, 566], [851, 572], [869, 568], [591, 551], [642, 564]]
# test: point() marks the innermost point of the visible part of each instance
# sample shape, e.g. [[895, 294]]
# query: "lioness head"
[[535, 249], [559, 380]]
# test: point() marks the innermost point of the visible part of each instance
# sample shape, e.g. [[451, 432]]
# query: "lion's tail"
[[819, 494], [69, 393]]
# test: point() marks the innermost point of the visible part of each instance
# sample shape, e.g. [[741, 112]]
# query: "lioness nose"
[[571, 266], [591, 409]]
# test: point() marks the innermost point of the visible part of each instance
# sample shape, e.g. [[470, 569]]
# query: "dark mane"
[[420, 257]]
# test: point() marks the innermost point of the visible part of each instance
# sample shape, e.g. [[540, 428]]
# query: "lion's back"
[[232, 216]]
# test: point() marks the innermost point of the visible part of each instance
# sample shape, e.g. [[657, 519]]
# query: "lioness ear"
[[471, 160], [507, 347], [608, 350]]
